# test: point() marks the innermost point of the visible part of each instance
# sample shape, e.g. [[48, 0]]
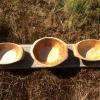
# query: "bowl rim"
[[17, 45], [47, 65], [76, 52]]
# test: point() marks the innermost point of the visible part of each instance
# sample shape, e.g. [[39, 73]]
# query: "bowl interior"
[[9, 53], [49, 51], [90, 49]]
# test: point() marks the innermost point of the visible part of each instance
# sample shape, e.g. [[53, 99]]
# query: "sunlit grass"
[[82, 12], [30, 20]]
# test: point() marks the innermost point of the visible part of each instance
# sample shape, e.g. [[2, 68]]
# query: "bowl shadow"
[[25, 63], [65, 73], [91, 64], [71, 62], [68, 68]]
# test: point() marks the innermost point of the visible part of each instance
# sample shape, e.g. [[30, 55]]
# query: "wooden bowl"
[[49, 51], [87, 50], [10, 53]]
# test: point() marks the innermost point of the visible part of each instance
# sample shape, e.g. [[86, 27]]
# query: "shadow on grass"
[[4, 31], [65, 72], [68, 68]]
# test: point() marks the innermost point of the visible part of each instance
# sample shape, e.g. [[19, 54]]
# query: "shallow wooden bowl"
[[87, 50], [49, 51], [10, 53]]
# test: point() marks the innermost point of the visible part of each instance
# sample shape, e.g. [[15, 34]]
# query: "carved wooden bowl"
[[87, 50], [10, 53], [49, 51]]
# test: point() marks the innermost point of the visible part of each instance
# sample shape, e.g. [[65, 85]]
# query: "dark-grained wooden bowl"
[[49, 51], [87, 50]]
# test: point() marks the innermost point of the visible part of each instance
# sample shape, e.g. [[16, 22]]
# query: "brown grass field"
[[23, 22]]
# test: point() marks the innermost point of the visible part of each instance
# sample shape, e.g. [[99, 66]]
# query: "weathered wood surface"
[[72, 62]]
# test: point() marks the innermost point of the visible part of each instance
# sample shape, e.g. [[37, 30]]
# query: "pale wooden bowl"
[[87, 50], [49, 51], [10, 53]]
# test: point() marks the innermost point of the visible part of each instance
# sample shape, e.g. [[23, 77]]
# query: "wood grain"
[[72, 62]]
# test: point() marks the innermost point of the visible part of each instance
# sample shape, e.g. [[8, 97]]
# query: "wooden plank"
[[72, 62]]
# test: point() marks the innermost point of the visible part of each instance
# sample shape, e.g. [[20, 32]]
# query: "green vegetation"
[[83, 12]]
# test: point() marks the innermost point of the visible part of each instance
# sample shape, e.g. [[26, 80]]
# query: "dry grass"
[[55, 84], [24, 21]]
